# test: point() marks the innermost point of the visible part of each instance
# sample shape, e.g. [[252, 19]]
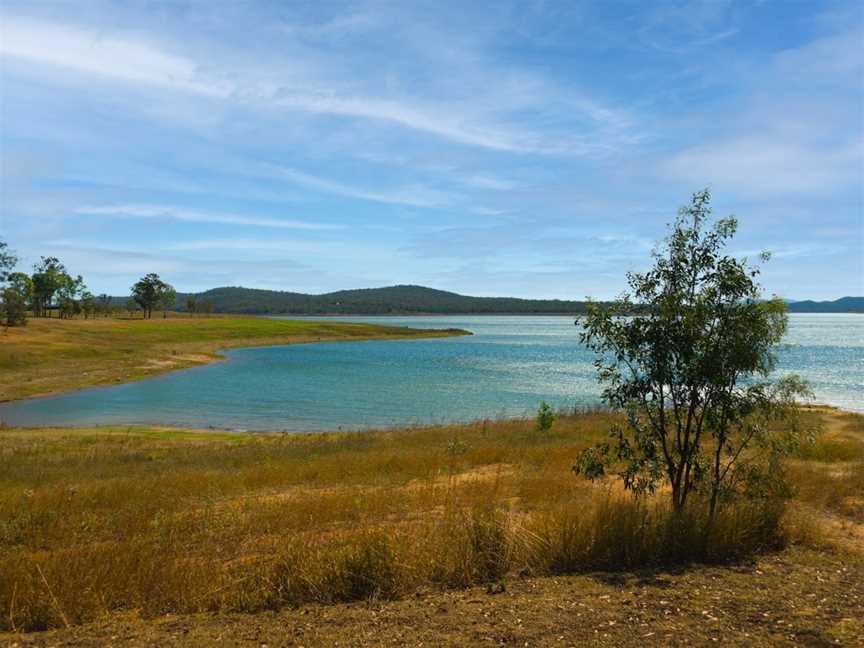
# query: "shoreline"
[[126, 428], [312, 316], [167, 356]]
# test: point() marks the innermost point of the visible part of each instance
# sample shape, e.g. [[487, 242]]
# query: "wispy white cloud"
[[487, 211], [195, 216], [131, 59], [679, 28], [768, 165], [92, 52], [413, 195], [482, 181], [254, 244]]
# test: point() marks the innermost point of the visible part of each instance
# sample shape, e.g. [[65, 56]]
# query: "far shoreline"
[[338, 431], [111, 359], [556, 314]]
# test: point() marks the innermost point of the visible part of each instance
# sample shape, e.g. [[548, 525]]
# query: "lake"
[[506, 368]]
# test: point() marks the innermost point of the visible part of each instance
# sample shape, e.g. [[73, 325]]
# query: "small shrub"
[[545, 418]]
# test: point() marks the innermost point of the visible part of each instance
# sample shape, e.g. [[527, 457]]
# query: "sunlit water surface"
[[506, 368]]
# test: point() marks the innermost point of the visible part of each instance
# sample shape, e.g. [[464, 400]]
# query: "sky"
[[532, 149]]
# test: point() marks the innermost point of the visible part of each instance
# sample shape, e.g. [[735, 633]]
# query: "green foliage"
[[104, 304], [89, 304], [15, 290], [48, 276], [68, 291], [7, 261], [689, 370], [151, 292], [14, 298], [167, 298], [545, 418]]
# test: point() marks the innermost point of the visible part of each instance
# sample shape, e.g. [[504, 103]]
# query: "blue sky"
[[535, 149]]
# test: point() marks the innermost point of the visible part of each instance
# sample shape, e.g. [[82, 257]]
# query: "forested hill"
[[842, 305], [372, 301], [395, 300], [418, 299]]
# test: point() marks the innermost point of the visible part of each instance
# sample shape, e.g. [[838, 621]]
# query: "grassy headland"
[[140, 522], [49, 356]]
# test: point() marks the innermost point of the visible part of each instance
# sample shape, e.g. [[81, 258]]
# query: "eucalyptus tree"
[[7, 261], [49, 275], [104, 304], [89, 304], [68, 292], [7, 264], [15, 295], [148, 292], [685, 354], [167, 299]]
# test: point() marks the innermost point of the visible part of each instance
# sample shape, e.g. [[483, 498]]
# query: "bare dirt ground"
[[797, 598]]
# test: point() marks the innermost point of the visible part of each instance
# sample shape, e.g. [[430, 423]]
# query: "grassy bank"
[[49, 356], [154, 521]]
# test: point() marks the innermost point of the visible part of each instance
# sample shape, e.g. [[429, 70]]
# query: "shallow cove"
[[506, 368]]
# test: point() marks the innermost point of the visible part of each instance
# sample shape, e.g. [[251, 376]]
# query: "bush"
[[545, 418], [13, 308]]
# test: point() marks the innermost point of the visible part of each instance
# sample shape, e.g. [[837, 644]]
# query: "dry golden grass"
[[155, 520], [51, 355]]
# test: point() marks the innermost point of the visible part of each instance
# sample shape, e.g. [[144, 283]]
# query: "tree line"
[[51, 288]]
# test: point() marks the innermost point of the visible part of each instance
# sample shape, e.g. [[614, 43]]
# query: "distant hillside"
[[408, 300], [842, 305], [392, 300]]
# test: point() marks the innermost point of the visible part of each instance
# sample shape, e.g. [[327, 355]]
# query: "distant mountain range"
[[842, 305], [410, 300], [393, 300]]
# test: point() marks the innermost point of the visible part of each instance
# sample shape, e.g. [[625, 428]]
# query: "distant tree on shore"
[[150, 291], [7, 261], [689, 371], [104, 305], [68, 291], [48, 277], [133, 307], [15, 298], [8, 297], [167, 299], [89, 304], [197, 306]]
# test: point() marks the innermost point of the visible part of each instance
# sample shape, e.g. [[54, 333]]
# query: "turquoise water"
[[506, 368]]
